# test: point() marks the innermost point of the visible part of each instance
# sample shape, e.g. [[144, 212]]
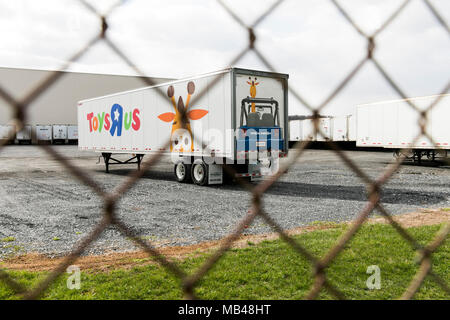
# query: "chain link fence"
[[320, 264]]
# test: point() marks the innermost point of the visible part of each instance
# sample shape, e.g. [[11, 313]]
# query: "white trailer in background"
[[340, 132], [351, 128], [303, 130], [340, 128], [43, 134], [295, 130], [24, 135], [7, 133], [240, 119], [59, 133], [308, 132], [72, 134], [325, 129], [395, 125], [343, 128]]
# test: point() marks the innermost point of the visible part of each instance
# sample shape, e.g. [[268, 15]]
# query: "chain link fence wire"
[[319, 264]]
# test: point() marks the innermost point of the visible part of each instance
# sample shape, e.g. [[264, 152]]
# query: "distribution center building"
[[58, 104]]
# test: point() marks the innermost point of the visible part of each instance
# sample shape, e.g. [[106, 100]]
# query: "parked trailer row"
[[235, 116], [396, 125], [391, 124], [341, 128], [43, 134]]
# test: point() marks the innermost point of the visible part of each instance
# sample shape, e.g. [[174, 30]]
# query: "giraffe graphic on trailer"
[[181, 138]]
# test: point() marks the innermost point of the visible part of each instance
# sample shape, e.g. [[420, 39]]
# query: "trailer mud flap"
[[215, 174]]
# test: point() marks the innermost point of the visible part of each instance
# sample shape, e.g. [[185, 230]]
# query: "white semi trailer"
[[72, 134], [395, 125], [295, 130], [59, 133], [343, 128], [240, 118], [44, 134], [7, 133], [24, 135], [339, 128]]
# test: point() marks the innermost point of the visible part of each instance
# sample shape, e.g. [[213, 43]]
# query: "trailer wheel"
[[199, 174], [182, 172]]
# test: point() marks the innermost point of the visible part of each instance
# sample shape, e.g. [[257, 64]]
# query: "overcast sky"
[[307, 39]]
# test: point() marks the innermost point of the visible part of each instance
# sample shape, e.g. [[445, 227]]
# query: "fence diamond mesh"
[[320, 264]]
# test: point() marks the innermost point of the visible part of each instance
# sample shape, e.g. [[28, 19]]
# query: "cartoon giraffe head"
[[253, 85], [181, 137]]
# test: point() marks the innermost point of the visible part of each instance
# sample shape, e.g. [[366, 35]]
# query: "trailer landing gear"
[[107, 158]]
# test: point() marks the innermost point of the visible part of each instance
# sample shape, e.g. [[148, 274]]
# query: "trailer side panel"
[[395, 124]]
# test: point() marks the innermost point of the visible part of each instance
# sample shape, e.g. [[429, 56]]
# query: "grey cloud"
[[310, 40]]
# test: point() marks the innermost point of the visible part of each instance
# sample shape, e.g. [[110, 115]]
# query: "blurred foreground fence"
[[320, 264]]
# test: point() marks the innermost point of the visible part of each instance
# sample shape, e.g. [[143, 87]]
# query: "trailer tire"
[[199, 173], [182, 172]]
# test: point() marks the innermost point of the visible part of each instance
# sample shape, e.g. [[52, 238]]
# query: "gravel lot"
[[44, 209]]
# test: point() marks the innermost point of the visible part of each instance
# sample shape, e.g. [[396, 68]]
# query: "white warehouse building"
[[58, 104]]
